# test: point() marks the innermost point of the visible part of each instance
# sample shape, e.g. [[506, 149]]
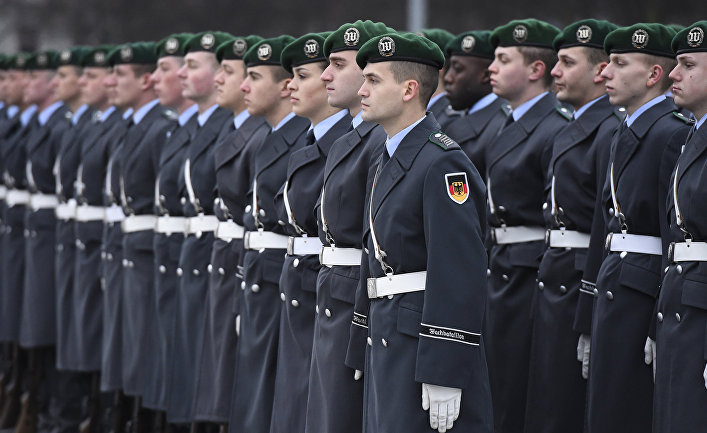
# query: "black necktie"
[[310, 138]]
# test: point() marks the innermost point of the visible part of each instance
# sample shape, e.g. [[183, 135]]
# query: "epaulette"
[[684, 118], [620, 112], [506, 109], [564, 111], [170, 115], [443, 140]]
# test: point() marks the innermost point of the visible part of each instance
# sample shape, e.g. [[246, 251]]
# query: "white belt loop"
[[689, 252], [568, 239], [517, 234], [66, 211], [138, 223], [39, 201], [169, 224], [17, 197], [619, 242], [335, 256], [228, 231], [201, 224], [114, 214], [257, 240], [86, 213], [304, 245], [396, 284]]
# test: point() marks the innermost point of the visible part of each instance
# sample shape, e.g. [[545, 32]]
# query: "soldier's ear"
[[598, 68]]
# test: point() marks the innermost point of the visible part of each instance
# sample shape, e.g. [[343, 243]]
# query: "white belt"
[[3, 192], [302, 246], [66, 211], [634, 243], [568, 239], [395, 284], [261, 239], [170, 224], [201, 224], [517, 234], [138, 223], [16, 197], [86, 213], [228, 231], [43, 201], [114, 214], [335, 256], [688, 252]]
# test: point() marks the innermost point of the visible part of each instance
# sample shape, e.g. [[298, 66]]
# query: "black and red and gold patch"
[[457, 187]]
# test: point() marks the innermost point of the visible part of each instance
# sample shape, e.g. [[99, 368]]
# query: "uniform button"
[[282, 296], [281, 222], [60, 247], [261, 212], [327, 312], [623, 254], [544, 205], [163, 198], [109, 256], [255, 288], [541, 285], [660, 316], [563, 289], [596, 292], [125, 263], [163, 269], [183, 201], [295, 262], [316, 309], [248, 208], [501, 209], [666, 269], [384, 342], [33, 233], [295, 303], [611, 211], [103, 255], [679, 269], [221, 271], [677, 317], [195, 272], [130, 199], [131, 264], [369, 341], [26, 233], [505, 277], [242, 285], [180, 272], [209, 268], [609, 296], [488, 272]]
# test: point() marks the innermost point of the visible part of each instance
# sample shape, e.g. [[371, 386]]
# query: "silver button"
[[242, 285], [295, 303], [210, 268], [623, 254], [60, 247], [130, 199], [281, 222], [677, 317], [131, 264], [488, 272], [109, 256], [327, 312], [611, 211], [609, 296], [660, 316], [26, 233], [282, 296], [163, 269], [248, 208], [316, 309], [103, 255], [195, 272], [384, 342], [163, 198], [541, 285], [596, 292], [261, 212], [255, 288], [544, 205], [679, 269], [501, 209], [180, 272], [505, 277], [563, 289], [183, 201], [125, 263], [221, 271], [369, 341], [295, 262]]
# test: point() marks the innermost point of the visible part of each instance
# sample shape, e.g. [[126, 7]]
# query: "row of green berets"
[[351, 230]]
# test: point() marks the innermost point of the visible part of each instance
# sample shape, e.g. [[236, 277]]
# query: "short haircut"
[[140, 70], [279, 73], [596, 56], [427, 77], [666, 63], [545, 55]]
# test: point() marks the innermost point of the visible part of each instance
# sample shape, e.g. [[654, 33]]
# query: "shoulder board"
[[620, 112], [443, 140], [564, 111], [170, 114], [684, 118], [506, 109]]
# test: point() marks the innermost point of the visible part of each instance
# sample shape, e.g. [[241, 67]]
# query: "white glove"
[[704, 374], [238, 325], [585, 342], [358, 374], [649, 352], [443, 403]]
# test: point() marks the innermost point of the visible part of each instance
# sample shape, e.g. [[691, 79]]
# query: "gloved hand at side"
[[583, 347], [443, 403], [650, 354]]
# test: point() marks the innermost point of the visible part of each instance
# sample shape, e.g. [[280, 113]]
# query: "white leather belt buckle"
[[641, 244], [86, 213], [335, 256], [43, 201], [16, 197], [302, 246], [3, 192], [257, 240], [517, 234], [228, 231], [568, 239], [66, 211], [170, 224], [396, 284], [688, 252], [114, 214], [201, 224], [138, 223]]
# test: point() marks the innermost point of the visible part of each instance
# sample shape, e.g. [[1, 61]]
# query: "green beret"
[[352, 36], [584, 33], [267, 51], [172, 45], [43, 60], [475, 43], [305, 49], [400, 47], [3, 62], [97, 57], [235, 48], [206, 41], [676, 27], [524, 33], [18, 61], [648, 38], [135, 53], [73, 56], [440, 37], [690, 39]]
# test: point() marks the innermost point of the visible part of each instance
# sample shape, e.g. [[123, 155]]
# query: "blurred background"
[[39, 24]]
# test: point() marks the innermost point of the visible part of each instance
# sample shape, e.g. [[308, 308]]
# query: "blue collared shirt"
[[632, 118], [12, 111], [106, 114], [435, 99], [187, 114], [526, 106], [392, 143], [203, 117], [322, 127], [77, 116], [47, 112], [483, 103], [142, 111], [26, 115], [128, 113], [586, 106], [700, 122], [283, 121], [241, 118], [357, 120]]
